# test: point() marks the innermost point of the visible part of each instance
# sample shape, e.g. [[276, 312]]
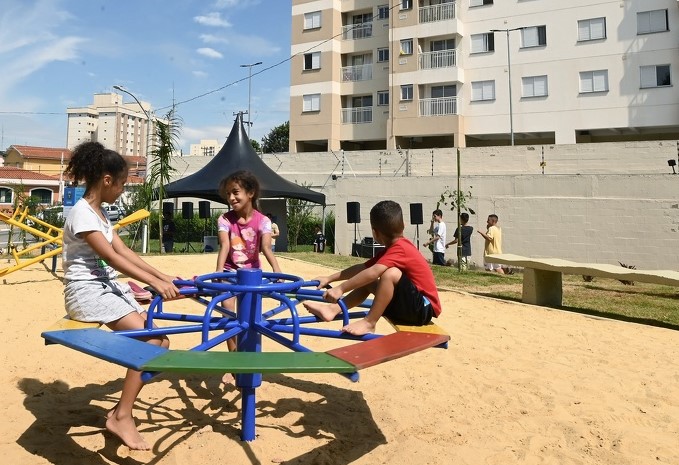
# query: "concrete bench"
[[542, 277]]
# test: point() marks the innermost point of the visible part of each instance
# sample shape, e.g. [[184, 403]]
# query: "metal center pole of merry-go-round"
[[250, 314]]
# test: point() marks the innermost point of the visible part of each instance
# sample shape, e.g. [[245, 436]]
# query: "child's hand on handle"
[[166, 288], [323, 282], [332, 295]]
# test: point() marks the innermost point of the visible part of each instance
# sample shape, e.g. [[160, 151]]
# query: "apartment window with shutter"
[[594, 81], [382, 98], [649, 22], [655, 76], [480, 2], [534, 86], [312, 20], [406, 4], [591, 29], [312, 102], [535, 36], [382, 55], [483, 90], [481, 43], [312, 60], [383, 12]]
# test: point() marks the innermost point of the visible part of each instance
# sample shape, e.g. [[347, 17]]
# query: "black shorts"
[[407, 306]]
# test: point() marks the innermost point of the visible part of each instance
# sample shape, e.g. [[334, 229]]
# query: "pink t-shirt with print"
[[245, 239]]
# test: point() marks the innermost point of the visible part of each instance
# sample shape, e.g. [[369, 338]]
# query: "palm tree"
[[160, 168]]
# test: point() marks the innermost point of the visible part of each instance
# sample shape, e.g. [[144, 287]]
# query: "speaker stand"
[[417, 235], [354, 249]]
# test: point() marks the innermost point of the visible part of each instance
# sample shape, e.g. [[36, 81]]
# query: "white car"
[[114, 212]]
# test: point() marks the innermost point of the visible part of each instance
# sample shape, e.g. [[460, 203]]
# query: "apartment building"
[[206, 148], [389, 74], [116, 125]]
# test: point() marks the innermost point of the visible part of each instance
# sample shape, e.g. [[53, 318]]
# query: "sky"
[[56, 54]]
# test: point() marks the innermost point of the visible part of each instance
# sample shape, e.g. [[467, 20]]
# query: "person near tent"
[[319, 240], [243, 232], [275, 232]]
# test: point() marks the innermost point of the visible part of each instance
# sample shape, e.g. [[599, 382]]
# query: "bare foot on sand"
[[228, 378], [360, 327], [126, 430], [324, 311]]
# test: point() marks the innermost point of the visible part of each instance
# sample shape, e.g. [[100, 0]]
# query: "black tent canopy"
[[238, 154]]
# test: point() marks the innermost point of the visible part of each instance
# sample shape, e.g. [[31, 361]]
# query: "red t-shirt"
[[403, 255]]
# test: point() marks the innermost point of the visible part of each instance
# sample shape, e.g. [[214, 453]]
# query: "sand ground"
[[518, 385]]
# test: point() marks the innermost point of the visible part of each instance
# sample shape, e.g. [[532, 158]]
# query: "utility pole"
[[249, 67]]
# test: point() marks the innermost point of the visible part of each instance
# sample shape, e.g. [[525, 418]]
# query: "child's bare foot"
[[359, 328], [228, 378], [126, 430], [324, 311]]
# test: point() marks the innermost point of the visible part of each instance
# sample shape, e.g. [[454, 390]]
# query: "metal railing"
[[440, 59], [356, 73], [357, 31], [357, 115], [441, 106], [441, 12]]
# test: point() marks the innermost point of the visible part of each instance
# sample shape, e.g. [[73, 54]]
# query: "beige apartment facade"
[[118, 126], [389, 74]]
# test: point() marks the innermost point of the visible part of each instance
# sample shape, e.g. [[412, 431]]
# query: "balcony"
[[441, 106], [433, 13], [356, 73], [357, 31], [440, 59], [357, 115]]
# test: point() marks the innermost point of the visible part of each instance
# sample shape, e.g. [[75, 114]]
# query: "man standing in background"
[[438, 232]]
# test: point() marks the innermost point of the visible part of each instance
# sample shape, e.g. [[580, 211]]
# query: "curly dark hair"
[[246, 179], [90, 161]]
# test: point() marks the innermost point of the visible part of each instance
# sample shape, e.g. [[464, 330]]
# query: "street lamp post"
[[250, 90], [509, 79], [149, 117]]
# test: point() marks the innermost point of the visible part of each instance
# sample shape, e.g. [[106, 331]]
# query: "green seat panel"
[[189, 361]]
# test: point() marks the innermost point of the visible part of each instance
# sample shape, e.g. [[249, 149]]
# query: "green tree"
[[256, 146], [298, 213], [160, 168], [277, 140]]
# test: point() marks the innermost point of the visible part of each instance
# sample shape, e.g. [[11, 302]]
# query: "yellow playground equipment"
[[50, 242]]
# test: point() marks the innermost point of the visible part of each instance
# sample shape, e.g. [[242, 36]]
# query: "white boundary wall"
[[599, 203]]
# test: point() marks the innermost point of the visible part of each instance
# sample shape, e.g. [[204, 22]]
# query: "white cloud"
[[212, 19], [222, 4], [209, 52], [213, 39], [199, 74]]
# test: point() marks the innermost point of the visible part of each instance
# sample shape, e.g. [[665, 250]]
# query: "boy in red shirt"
[[399, 278]]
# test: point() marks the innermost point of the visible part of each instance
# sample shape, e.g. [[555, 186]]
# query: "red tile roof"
[[48, 153], [10, 172]]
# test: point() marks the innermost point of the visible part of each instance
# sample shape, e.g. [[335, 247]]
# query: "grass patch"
[[643, 303]]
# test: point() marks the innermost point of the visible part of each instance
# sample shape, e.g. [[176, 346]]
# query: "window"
[[312, 60], [480, 2], [383, 12], [652, 21], [382, 55], [382, 98], [312, 102], [655, 76], [44, 195], [362, 101], [407, 47], [407, 92], [594, 81], [440, 45], [592, 29], [534, 86], [443, 91], [5, 195], [483, 42], [312, 20], [534, 36], [483, 90], [406, 4]]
